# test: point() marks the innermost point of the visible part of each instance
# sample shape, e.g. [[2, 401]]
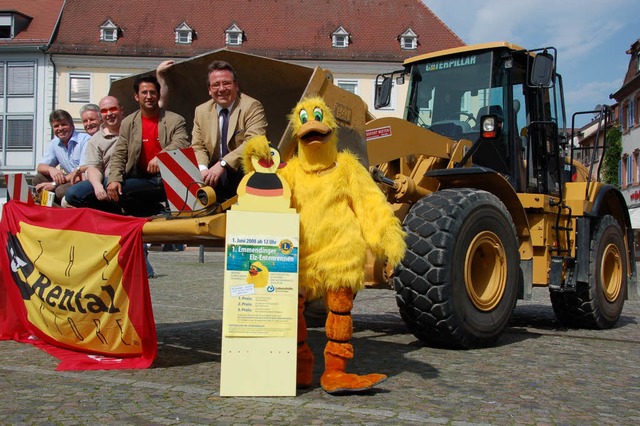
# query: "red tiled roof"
[[632, 71], [282, 29], [632, 76], [44, 14]]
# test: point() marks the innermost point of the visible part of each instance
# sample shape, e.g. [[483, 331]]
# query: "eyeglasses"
[[221, 85], [108, 110]]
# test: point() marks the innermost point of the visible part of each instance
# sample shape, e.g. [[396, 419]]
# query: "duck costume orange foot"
[[342, 214]]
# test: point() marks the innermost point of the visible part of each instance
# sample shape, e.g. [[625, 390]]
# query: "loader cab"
[[500, 99]]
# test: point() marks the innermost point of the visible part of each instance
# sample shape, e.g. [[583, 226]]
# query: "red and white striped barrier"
[[18, 189], [181, 177]]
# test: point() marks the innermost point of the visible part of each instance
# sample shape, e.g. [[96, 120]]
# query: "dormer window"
[[6, 26], [233, 36], [184, 34], [409, 40], [340, 38], [12, 23], [108, 31]]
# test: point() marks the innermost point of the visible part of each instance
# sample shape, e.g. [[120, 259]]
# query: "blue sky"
[[591, 37]]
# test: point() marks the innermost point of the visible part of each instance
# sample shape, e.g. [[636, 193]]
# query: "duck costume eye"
[[304, 116], [317, 114]]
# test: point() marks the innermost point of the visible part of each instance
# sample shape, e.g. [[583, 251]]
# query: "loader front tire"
[[458, 283]]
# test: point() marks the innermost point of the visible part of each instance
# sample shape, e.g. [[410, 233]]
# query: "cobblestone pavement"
[[538, 374]]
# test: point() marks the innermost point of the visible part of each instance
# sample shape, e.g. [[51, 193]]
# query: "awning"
[[634, 214]]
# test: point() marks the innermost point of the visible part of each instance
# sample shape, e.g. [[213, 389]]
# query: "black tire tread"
[[581, 309], [422, 281]]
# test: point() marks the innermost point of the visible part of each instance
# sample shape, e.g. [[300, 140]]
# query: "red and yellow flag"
[[74, 282]]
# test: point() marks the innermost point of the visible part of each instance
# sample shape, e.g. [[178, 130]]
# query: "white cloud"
[[596, 92]]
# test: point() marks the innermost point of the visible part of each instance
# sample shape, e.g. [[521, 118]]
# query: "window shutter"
[[20, 133], [20, 80]]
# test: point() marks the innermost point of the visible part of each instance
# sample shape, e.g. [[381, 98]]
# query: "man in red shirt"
[[134, 175]]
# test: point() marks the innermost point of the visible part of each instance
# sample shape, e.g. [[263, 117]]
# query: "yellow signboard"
[[259, 325]]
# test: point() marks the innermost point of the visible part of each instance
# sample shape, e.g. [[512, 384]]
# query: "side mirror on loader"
[[383, 92], [542, 70]]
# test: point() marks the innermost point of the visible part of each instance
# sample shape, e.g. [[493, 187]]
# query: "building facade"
[[27, 88], [628, 103]]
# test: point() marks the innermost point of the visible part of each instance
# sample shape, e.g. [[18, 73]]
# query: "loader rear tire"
[[457, 285], [597, 303]]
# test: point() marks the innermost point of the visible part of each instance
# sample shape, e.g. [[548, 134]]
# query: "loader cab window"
[[445, 94], [450, 95]]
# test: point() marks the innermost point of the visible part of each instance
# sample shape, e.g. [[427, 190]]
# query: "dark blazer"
[[172, 133], [247, 120]]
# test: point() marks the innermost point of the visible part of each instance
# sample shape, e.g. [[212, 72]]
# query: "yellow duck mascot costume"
[[342, 213]]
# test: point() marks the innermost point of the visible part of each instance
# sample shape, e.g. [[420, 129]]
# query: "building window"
[[183, 37], [620, 115], [340, 38], [17, 83], [79, 88], [6, 24], [233, 36], [109, 35], [348, 85], [620, 167], [629, 170], [630, 114], [108, 31], [184, 34], [19, 133], [20, 79], [12, 23], [408, 40]]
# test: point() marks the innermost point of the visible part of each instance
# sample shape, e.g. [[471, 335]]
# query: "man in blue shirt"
[[64, 150]]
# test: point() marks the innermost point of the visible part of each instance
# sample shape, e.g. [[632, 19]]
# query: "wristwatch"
[[223, 164]]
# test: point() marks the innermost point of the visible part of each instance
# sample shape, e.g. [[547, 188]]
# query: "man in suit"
[[134, 174], [220, 160]]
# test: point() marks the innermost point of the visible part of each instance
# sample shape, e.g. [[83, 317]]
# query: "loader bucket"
[[279, 85]]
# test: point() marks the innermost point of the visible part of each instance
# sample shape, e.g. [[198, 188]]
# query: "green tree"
[[611, 160]]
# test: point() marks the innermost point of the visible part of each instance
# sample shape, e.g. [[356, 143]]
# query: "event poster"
[[261, 288]]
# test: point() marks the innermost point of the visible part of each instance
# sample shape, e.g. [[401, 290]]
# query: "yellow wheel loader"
[[482, 172]]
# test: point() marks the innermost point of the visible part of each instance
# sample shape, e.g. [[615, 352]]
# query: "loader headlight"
[[491, 126]]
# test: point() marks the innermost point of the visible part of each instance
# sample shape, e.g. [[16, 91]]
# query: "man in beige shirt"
[[91, 192]]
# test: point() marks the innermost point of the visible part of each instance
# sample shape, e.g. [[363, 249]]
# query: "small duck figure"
[[262, 189]]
